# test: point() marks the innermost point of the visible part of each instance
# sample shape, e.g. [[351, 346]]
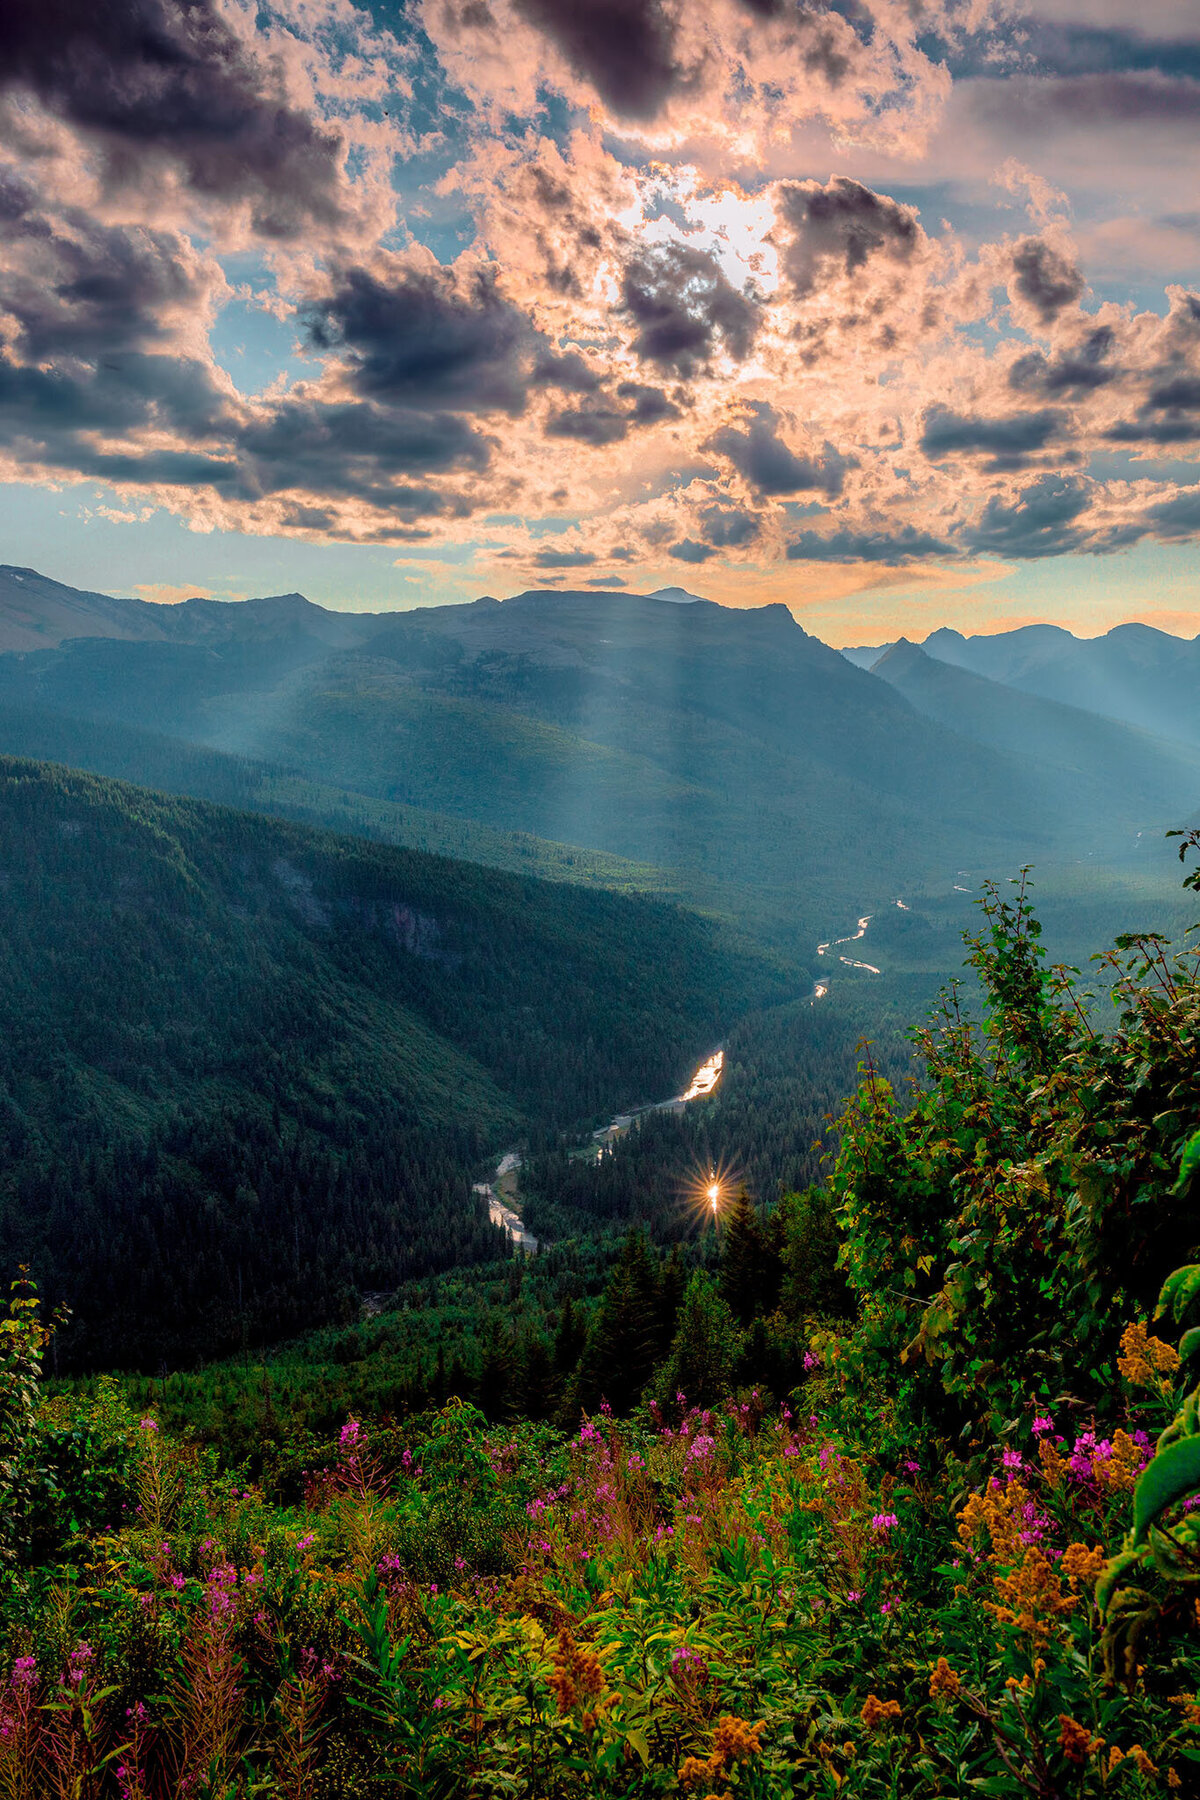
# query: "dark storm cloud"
[[568, 371], [1008, 441], [729, 526], [625, 48], [689, 551], [349, 448], [1081, 49], [124, 394], [604, 422], [1175, 519], [589, 424], [1044, 520], [1170, 414], [768, 464], [1030, 109], [76, 288], [1075, 371], [681, 305], [847, 546], [564, 559], [1045, 278], [835, 229], [650, 404], [153, 78], [418, 341]]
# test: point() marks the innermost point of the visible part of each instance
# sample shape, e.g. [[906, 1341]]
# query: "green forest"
[[885, 1486], [249, 1070]]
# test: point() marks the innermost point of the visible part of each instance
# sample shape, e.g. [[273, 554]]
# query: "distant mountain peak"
[[679, 595]]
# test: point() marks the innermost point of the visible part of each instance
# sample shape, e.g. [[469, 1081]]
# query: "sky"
[[885, 309]]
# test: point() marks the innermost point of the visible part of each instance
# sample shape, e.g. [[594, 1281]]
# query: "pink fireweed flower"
[[854, 1594], [306, 1542], [351, 1435], [24, 1672], [884, 1522], [811, 1360], [149, 1424], [1012, 1459], [1041, 1425], [701, 1448]]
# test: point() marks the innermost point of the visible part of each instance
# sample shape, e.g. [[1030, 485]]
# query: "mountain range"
[[720, 756], [1133, 673]]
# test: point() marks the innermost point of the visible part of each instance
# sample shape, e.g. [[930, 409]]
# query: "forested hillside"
[[888, 1489], [248, 1066]]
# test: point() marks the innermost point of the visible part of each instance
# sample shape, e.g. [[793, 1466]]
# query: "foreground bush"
[[724, 1602]]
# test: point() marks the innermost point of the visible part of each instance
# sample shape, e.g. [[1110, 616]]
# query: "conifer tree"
[[705, 1346]]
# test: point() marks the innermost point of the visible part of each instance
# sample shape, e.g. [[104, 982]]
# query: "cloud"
[[1076, 370], [1176, 519], [624, 48], [729, 526], [1045, 519], [1009, 440], [1045, 279], [173, 81], [847, 546], [768, 464], [836, 229], [596, 425], [689, 551], [416, 337], [682, 306], [563, 559]]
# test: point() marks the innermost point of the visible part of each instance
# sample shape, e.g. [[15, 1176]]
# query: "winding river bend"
[[501, 1193]]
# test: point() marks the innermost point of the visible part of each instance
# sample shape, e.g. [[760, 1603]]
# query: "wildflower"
[[439, 1703], [811, 1360], [149, 1424], [1075, 1740], [876, 1712], [1012, 1459], [943, 1681], [24, 1671], [854, 1594], [702, 1448], [306, 1542], [1146, 1361], [914, 1468], [1041, 1425], [351, 1435], [1081, 1565], [884, 1522]]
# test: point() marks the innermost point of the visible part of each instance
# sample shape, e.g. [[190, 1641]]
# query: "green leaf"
[[1178, 1291], [1189, 1162], [1189, 1344], [1173, 1474], [640, 1743]]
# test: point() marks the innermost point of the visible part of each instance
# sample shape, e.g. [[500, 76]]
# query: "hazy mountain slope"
[[102, 747], [37, 613], [231, 1043], [724, 746], [1134, 673], [1122, 769]]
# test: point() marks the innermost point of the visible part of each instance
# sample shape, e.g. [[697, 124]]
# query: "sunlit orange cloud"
[[166, 593]]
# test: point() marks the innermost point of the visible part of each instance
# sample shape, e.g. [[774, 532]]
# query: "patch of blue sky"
[[94, 547], [1124, 465], [254, 346]]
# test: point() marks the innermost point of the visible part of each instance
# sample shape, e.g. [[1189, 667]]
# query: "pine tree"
[[749, 1271], [705, 1347]]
